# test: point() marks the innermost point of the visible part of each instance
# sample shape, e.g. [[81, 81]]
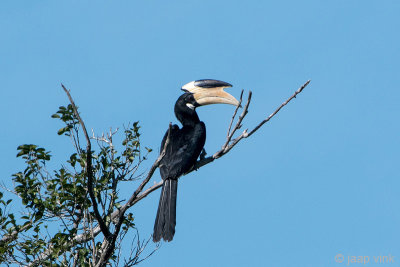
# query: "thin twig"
[[226, 148], [107, 253], [233, 116], [281, 106], [241, 117], [137, 196], [102, 224], [150, 173]]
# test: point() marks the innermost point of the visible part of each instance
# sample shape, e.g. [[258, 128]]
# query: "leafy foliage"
[[56, 225]]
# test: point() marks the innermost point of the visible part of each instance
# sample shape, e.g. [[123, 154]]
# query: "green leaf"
[[62, 130]]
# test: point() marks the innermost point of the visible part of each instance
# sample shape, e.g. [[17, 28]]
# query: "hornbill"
[[184, 147]]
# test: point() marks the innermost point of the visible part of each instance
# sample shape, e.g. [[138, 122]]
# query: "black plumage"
[[185, 146]]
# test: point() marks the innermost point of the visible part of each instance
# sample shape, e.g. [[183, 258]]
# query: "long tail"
[[164, 226]]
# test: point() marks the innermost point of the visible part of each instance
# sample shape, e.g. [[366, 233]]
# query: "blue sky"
[[320, 179]]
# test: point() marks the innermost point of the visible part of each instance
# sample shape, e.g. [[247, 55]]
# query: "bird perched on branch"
[[184, 147]]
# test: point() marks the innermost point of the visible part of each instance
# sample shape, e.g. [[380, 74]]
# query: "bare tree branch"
[[107, 253], [237, 126], [227, 147], [278, 109], [138, 195], [140, 247], [233, 117], [102, 224], [132, 199]]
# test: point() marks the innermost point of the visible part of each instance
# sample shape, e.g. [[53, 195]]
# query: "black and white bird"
[[184, 147]]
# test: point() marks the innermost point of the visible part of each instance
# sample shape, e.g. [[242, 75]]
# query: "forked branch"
[[89, 170], [229, 144], [139, 194]]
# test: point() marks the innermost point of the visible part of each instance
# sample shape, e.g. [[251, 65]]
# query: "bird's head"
[[200, 93]]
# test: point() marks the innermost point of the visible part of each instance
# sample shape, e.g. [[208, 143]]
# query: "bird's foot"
[[203, 154]]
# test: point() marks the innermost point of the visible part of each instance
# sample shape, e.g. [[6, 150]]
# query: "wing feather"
[[184, 148]]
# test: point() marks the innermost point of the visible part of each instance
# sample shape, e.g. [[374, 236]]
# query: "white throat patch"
[[190, 106]]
